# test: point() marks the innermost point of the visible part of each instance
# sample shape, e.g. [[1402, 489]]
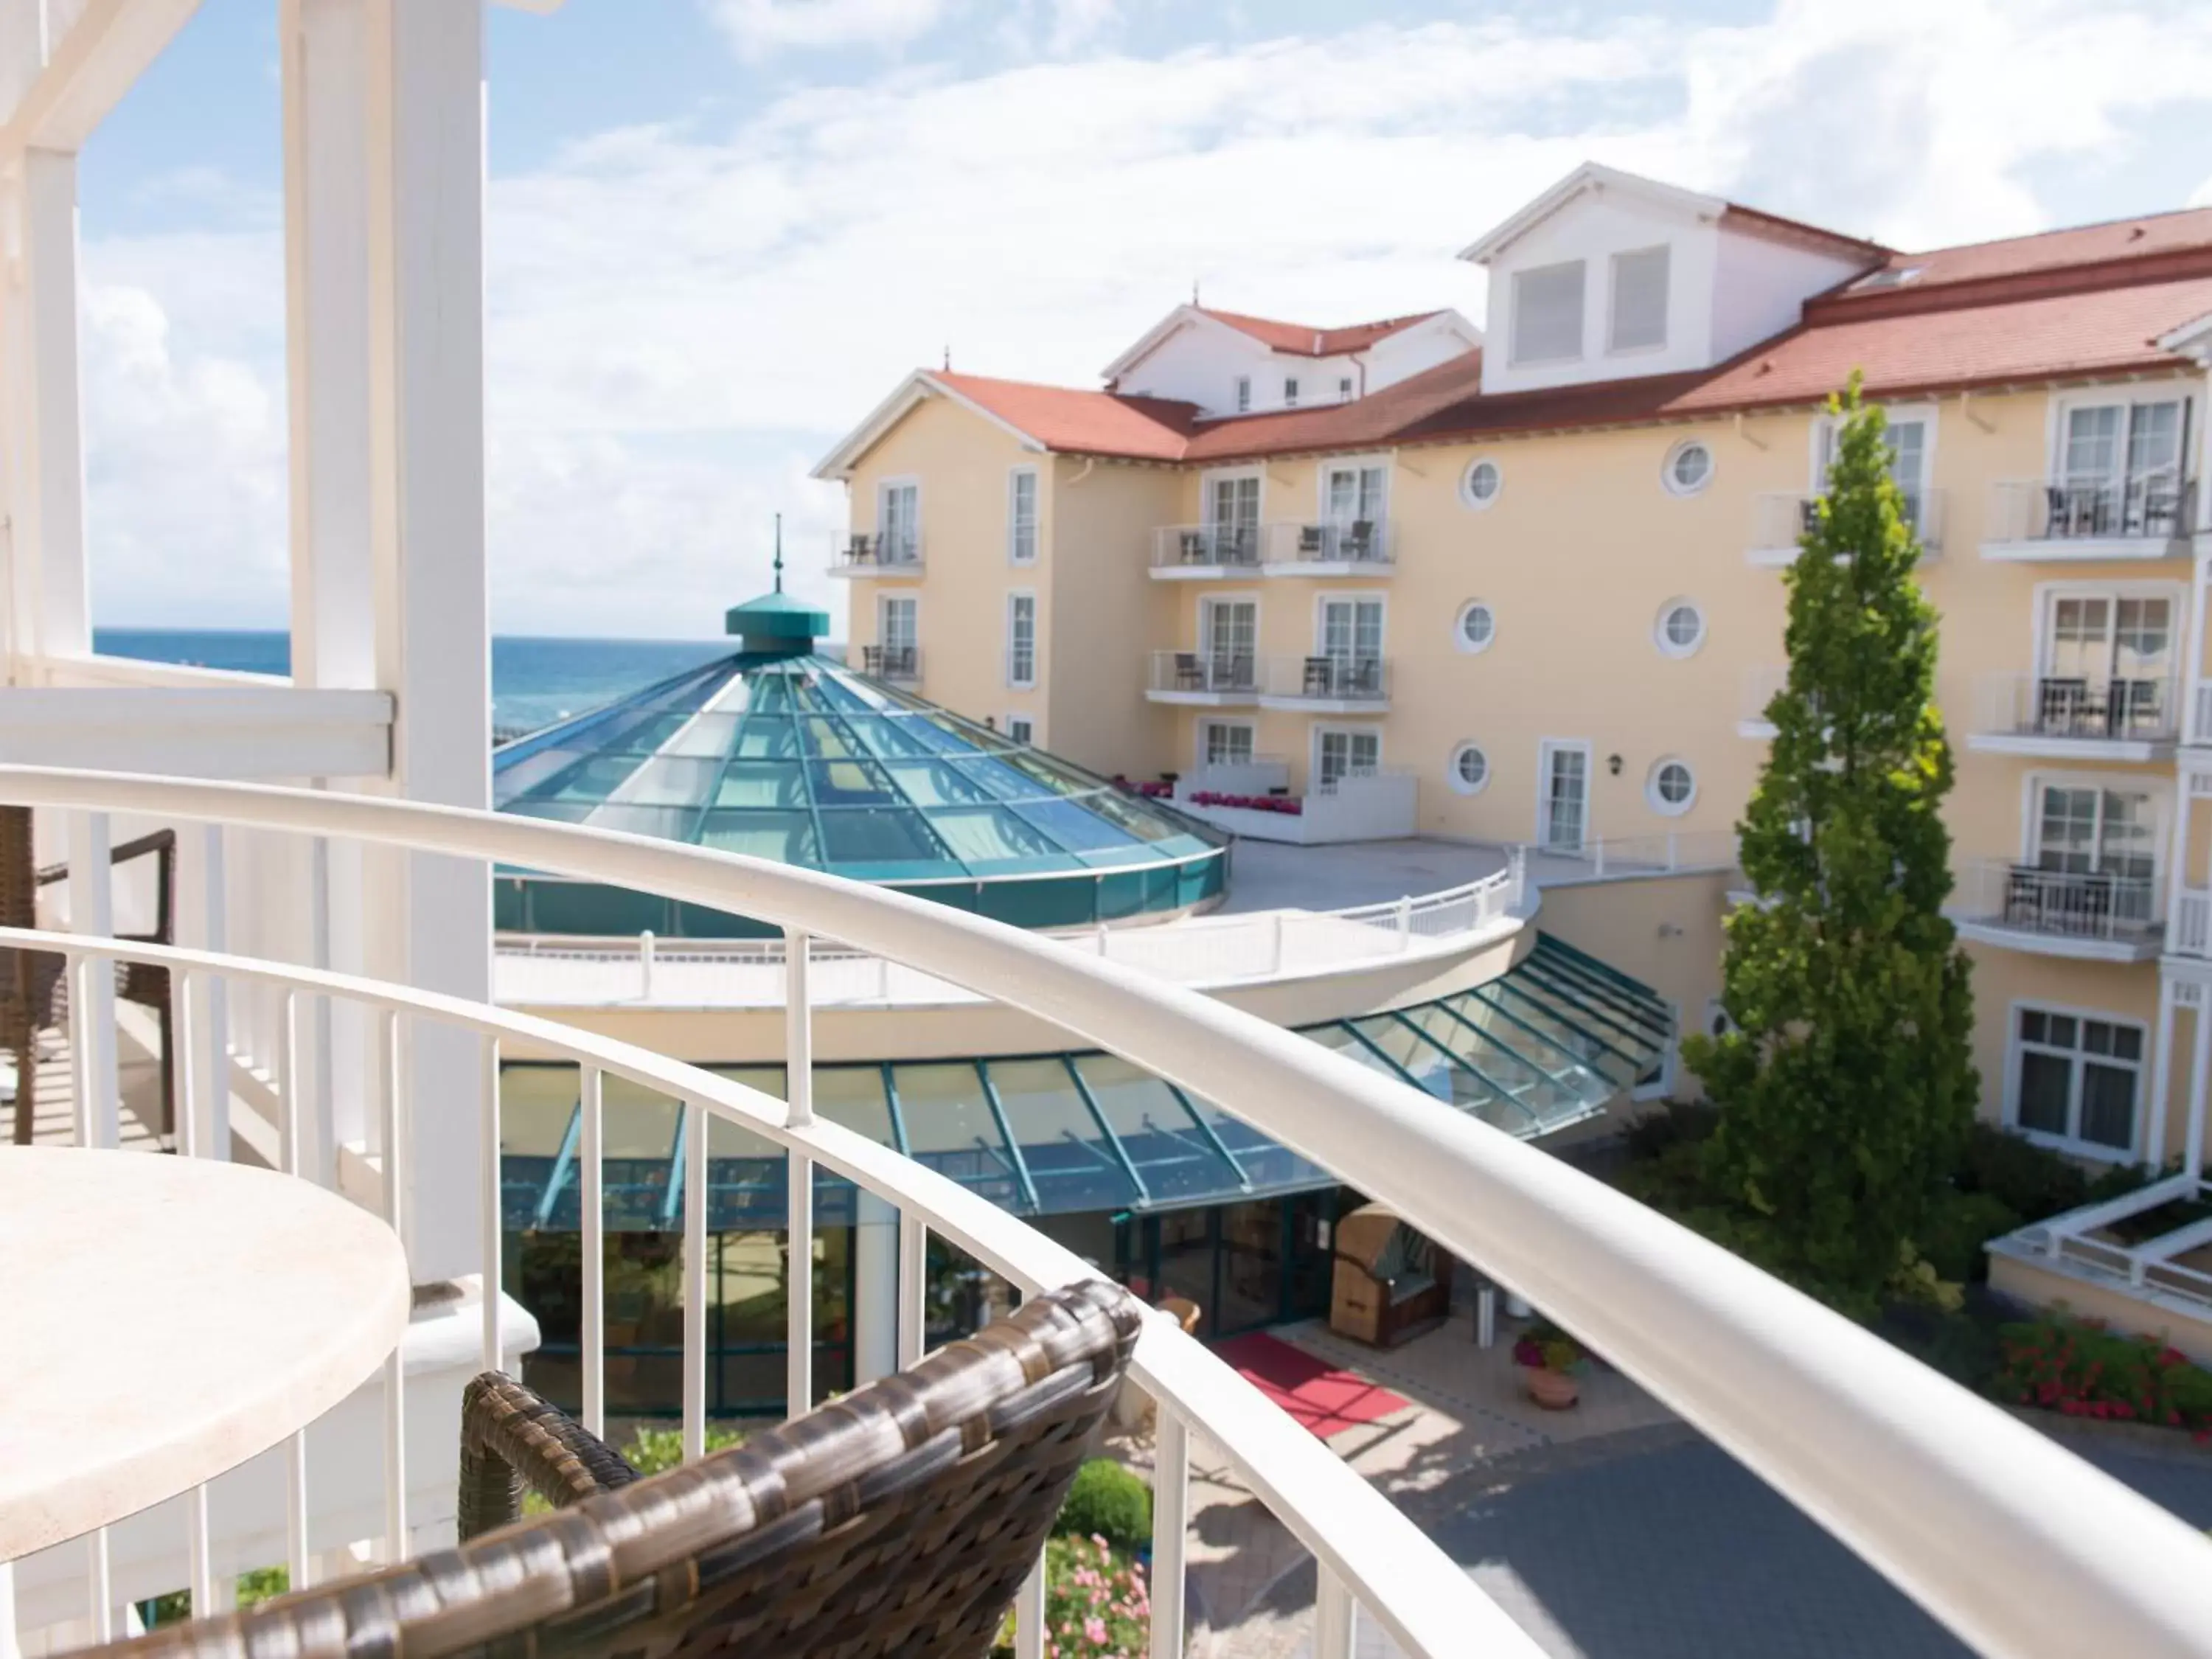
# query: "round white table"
[[164, 1319]]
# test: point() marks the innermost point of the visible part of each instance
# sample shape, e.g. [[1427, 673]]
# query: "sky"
[[720, 232]]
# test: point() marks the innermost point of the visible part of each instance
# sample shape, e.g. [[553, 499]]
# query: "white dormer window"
[[1290, 394], [1547, 313], [1639, 300], [1344, 390], [1243, 394]]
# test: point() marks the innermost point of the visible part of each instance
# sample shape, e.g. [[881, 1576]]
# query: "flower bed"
[[2077, 1367], [1096, 1605], [1290, 804]]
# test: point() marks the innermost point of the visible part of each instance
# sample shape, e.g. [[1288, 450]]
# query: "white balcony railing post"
[[694, 1120], [799, 1179], [1029, 1614], [914, 1287], [1170, 1527], [393, 1153], [645, 966], [592, 1138], [1332, 1616]]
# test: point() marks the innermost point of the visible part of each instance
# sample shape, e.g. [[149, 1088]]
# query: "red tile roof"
[[2081, 244], [1300, 341], [1082, 423]]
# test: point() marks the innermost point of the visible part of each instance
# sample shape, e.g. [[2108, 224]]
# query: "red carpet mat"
[[1324, 1400]]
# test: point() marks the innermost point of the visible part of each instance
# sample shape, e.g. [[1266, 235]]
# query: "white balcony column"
[[2179, 883], [384, 234], [875, 1288], [2200, 1061], [2192, 730], [2162, 1066]]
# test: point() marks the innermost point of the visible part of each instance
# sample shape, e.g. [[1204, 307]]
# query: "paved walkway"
[[1612, 1531]]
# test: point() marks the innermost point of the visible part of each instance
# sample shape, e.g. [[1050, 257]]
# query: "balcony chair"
[[1367, 677], [1357, 542], [898, 1521], [856, 551], [2135, 706], [1189, 676], [1391, 1283], [1233, 673], [1320, 677], [2062, 705]]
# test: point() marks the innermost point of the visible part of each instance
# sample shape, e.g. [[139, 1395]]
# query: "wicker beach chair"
[[898, 1520]]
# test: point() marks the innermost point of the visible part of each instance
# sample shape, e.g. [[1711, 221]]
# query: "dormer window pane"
[[1547, 313], [1639, 299], [1290, 394], [1243, 393]]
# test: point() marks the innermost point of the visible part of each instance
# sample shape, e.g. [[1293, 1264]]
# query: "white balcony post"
[[384, 229], [1029, 1614], [591, 1109], [1170, 1528], [2175, 888], [1404, 923], [2200, 1060], [215, 929], [644, 964], [695, 1121], [1332, 1615], [799, 1174], [913, 1292], [92, 912]]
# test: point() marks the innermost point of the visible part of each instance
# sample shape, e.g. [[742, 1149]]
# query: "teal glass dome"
[[783, 754]]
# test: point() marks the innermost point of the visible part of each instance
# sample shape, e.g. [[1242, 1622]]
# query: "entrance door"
[[1564, 814], [1347, 754], [1351, 641], [1231, 636], [1232, 519]]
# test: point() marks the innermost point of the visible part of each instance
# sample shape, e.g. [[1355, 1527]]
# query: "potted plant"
[[1548, 1359]]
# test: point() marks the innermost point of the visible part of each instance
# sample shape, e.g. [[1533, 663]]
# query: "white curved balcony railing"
[[2015, 1544], [1206, 951]]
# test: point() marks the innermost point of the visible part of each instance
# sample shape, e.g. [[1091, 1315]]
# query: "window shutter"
[[1639, 298]]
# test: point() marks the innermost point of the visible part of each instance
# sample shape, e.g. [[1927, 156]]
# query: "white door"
[[1351, 641], [1228, 742], [1348, 753], [1232, 519], [1355, 494], [899, 520], [1565, 807], [2120, 470], [1231, 634]]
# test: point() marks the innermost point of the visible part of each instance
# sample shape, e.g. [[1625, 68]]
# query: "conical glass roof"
[[783, 754]]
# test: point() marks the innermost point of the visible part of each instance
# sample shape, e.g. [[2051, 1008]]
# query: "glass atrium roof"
[[1547, 1044], [786, 755]]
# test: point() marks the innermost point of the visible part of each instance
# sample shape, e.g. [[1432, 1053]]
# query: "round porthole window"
[[1680, 629], [1480, 484], [1671, 788], [1470, 769], [1689, 468], [1476, 628]]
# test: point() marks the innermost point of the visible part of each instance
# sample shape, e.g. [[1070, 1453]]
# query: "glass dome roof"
[[783, 754]]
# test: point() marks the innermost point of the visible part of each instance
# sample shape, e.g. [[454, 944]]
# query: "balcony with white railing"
[[1760, 687], [2071, 717], [1629, 858], [1215, 679], [1897, 1461], [1318, 547], [2123, 1249], [2047, 519], [900, 665], [874, 554], [1206, 552], [2091, 914], [1330, 685], [1778, 518]]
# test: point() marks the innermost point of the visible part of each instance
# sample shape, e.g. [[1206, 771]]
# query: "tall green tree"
[[1848, 1083]]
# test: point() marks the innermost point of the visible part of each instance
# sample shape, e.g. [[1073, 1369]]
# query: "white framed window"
[[1022, 515], [1290, 391], [1563, 783], [897, 653], [1474, 628], [898, 521], [1021, 639], [2107, 658], [1232, 516], [1224, 743], [2074, 1079], [1021, 728], [1480, 484], [1672, 788], [1348, 631], [1243, 394], [1355, 492], [1547, 313], [1680, 629], [1911, 436], [1689, 468], [1345, 751], [1228, 642], [1469, 769], [1638, 322], [1344, 390], [2123, 464]]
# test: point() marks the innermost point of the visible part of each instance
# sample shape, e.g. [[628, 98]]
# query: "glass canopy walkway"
[[1547, 1044]]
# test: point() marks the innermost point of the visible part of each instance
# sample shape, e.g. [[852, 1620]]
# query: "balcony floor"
[[1276, 876]]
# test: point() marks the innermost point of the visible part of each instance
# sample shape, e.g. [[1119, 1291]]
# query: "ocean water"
[[534, 682]]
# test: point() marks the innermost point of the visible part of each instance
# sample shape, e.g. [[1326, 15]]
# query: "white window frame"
[[1819, 438], [1666, 647], [1467, 647], [2112, 782], [1481, 503], [1323, 728], [1613, 346], [1202, 734], [1243, 394], [1320, 605], [2044, 611], [1546, 748], [1014, 597], [1659, 803], [1203, 633], [1514, 357], [1007, 725], [2195, 443], [1353, 463], [884, 601], [883, 487], [1221, 474], [1674, 452], [1014, 477], [1458, 785], [2069, 1144]]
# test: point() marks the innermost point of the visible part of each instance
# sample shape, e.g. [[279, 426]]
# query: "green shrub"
[[1107, 1501], [2076, 1366], [1959, 1225], [2030, 1181], [652, 1450], [1675, 1122]]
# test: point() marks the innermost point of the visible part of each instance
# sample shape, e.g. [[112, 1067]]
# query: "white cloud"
[[758, 27], [681, 320]]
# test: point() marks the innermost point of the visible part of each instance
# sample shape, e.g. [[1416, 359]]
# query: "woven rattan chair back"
[[898, 1521]]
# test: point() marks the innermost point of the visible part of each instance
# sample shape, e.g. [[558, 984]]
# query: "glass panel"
[[927, 783], [850, 783], [765, 737], [987, 834], [892, 734], [854, 1096], [1070, 1162], [2066, 832], [2044, 1080], [1169, 1150], [950, 1127], [2093, 437], [785, 836], [2108, 1104], [871, 834], [706, 735], [2155, 441], [666, 823], [535, 1105], [761, 783], [1072, 826]]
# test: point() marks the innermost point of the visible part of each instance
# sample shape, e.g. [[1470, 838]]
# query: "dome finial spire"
[[779, 552]]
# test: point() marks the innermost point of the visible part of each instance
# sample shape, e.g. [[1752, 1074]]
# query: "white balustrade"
[[1899, 1462]]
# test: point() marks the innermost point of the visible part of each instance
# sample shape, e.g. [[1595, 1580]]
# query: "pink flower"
[[1093, 1630]]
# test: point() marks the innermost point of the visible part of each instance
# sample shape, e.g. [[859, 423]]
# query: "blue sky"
[[721, 229]]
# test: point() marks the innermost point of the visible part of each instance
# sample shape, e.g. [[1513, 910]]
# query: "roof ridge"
[[2053, 230]]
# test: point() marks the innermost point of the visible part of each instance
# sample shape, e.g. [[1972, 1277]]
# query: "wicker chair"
[[1391, 1283], [898, 1521]]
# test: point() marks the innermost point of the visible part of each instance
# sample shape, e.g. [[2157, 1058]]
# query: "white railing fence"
[[2154, 509], [2192, 922], [1204, 951], [2016, 1545], [2059, 903], [1621, 857], [2126, 709], [2148, 1264]]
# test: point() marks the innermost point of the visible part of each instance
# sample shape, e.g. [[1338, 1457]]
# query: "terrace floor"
[[1610, 1531], [1273, 875]]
